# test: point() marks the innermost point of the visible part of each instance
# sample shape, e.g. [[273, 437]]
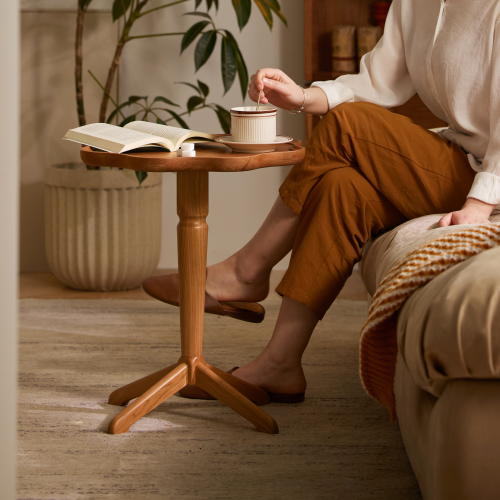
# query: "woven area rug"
[[338, 444]]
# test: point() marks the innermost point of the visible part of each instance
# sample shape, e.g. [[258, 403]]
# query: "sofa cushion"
[[450, 328]]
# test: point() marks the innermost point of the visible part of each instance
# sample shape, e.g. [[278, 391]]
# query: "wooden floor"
[[47, 286]]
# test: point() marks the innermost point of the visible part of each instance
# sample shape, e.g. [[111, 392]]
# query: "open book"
[[134, 135]]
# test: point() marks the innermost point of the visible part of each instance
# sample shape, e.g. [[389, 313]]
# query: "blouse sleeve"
[[486, 186], [383, 78]]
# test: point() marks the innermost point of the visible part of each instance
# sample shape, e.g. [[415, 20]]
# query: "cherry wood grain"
[[171, 383], [228, 395], [210, 157], [192, 237], [192, 232], [124, 394]]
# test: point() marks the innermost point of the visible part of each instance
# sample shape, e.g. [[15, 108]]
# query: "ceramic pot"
[[102, 229]]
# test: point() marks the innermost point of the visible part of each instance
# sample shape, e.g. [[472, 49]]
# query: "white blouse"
[[447, 51]]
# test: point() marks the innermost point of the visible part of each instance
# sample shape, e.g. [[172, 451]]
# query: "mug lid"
[[252, 110]]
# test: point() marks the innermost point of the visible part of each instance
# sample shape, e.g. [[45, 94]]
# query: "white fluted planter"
[[102, 230]]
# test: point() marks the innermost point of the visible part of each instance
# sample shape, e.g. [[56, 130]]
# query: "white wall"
[[239, 202], [48, 108], [9, 189]]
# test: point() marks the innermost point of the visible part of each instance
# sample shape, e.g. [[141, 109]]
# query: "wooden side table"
[[192, 236]]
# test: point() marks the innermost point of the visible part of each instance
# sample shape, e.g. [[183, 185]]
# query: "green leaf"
[[193, 102], [198, 3], [178, 119], [119, 8], [204, 88], [117, 110], [141, 176], [204, 48], [201, 14], [240, 64], [209, 4], [190, 85], [159, 98], [216, 3], [135, 98], [275, 6], [243, 9], [129, 119], [228, 63], [224, 117], [192, 33], [265, 11]]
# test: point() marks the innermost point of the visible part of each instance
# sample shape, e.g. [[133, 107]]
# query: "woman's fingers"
[[270, 74], [279, 87], [253, 93], [446, 220]]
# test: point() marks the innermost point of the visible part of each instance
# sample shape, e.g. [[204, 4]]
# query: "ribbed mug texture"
[[253, 129]]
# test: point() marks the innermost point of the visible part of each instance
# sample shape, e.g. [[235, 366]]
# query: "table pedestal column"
[[154, 389]]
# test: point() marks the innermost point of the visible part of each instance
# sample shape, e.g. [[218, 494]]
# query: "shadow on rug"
[[338, 444]]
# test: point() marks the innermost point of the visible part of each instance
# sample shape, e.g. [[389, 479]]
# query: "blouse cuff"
[[336, 92], [486, 187]]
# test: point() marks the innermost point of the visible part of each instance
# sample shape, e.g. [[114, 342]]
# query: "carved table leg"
[[124, 394], [228, 395], [162, 390]]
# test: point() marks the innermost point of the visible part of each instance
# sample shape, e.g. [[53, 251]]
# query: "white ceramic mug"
[[252, 126]]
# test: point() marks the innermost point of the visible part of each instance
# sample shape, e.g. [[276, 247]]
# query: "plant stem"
[[78, 66], [151, 36], [116, 58], [104, 90], [162, 7]]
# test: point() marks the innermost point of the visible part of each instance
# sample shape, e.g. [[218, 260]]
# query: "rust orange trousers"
[[366, 170]]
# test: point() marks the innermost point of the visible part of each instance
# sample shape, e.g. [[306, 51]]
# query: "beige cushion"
[[449, 328]]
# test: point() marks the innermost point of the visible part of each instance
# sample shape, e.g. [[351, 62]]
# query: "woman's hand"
[[281, 91], [473, 212], [278, 88]]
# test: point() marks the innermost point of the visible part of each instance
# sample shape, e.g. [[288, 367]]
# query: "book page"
[[173, 134], [113, 133]]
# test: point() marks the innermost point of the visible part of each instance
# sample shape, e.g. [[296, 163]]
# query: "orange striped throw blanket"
[[378, 350]]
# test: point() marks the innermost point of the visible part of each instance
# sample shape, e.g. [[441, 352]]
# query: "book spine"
[[344, 49]]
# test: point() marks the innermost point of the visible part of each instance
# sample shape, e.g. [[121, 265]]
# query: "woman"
[[368, 170]]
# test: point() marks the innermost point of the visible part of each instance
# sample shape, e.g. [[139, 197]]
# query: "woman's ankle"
[[280, 362], [248, 271]]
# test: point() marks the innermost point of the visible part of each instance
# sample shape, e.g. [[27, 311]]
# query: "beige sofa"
[[447, 382]]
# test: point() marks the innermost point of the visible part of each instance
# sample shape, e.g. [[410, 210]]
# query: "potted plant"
[[103, 226]]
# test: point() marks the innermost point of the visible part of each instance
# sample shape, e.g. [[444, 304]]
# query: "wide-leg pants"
[[366, 170]]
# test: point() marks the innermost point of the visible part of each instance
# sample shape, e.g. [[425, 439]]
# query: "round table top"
[[211, 157]]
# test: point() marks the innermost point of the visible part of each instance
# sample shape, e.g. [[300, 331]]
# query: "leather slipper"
[[195, 392], [166, 289]]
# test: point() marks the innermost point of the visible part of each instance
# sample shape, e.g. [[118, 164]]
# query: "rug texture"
[[338, 444]]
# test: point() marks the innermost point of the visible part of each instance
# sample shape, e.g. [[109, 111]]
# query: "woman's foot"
[[229, 280], [273, 378]]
